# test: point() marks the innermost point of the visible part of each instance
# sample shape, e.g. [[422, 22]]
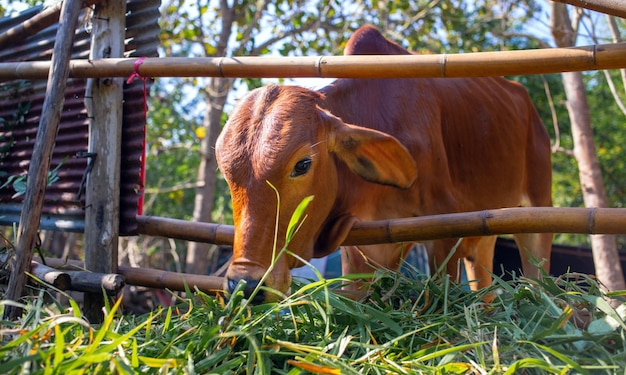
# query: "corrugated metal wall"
[[20, 109]]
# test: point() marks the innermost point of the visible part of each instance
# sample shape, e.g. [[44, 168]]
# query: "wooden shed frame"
[[108, 70]]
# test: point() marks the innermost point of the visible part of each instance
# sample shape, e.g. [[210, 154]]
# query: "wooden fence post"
[[42, 153], [103, 99]]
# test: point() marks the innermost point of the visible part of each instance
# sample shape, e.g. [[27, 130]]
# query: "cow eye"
[[301, 167]]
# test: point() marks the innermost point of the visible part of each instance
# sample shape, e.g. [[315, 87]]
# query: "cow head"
[[282, 137]]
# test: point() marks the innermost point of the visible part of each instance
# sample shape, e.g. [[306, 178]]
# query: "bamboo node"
[[591, 220], [318, 66], [220, 62], [594, 55], [389, 232], [444, 65], [485, 215]]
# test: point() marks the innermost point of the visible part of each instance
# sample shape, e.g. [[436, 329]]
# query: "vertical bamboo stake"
[[42, 153], [104, 103]]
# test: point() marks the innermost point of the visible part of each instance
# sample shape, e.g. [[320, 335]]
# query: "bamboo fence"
[[466, 224], [415, 229], [488, 222], [66, 274], [146, 277], [501, 63]]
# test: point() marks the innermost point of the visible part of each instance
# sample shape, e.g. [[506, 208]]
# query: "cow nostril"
[[248, 289]]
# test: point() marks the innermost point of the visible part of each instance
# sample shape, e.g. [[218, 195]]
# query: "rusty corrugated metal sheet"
[[20, 109]]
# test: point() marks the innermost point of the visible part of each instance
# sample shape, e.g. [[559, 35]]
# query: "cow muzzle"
[[250, 289], [261, 285]]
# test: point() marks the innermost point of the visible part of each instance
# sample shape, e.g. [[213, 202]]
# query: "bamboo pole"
[[47, 17], [42, 153], [465, 224], [537, 61], [611, 7], [477, 223], [491, 222], [58, 279], [91, 282], [31, 26], [151, 278], [73, 276], [219, 234]]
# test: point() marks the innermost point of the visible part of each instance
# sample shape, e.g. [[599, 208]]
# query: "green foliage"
[[7, 127], [608, 125], [450, 25], [18, 183], [404, 324], [11, 6], [173, 152]]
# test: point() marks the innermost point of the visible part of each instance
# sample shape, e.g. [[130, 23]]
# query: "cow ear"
[[373, 155]]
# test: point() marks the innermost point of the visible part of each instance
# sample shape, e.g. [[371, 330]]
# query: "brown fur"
[[381, 149]]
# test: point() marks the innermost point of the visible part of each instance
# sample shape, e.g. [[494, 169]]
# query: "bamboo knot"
[[594, 54], [389, 231], [444, 65], [318, 66], [591, 220], [485, 215], [220, 62]]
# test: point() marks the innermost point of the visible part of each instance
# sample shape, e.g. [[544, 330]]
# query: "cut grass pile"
[[406, 325]]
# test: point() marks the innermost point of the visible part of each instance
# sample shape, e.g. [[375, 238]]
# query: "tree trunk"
[[198, 259], [605, 255]]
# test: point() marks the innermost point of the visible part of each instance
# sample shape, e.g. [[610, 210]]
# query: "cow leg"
[[534, 248], [479, 261], [367, 259], [438, 251]]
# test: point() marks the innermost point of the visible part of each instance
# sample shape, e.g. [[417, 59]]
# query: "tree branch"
[[616, 39]]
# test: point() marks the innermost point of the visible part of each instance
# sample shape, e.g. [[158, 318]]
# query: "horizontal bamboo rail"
[[219, 234], [537, 61], [477, 223], [612, 7], [174, 281], [465, 224], [31, 26], [151, 278], [58, 279], [73, 276]]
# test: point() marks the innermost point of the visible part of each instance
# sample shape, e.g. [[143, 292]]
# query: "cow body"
[[375, 149]]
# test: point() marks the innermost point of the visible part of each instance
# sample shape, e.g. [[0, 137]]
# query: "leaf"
[[603, 305], [566, 359], [608, 323], [316, 369], [530, 363], [296, 216], [157, 362], [59, 345], [603, 326]]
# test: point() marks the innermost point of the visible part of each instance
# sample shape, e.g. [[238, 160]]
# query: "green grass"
[[406, 325]]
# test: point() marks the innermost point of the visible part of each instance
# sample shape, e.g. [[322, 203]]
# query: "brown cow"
[[374, 149]]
